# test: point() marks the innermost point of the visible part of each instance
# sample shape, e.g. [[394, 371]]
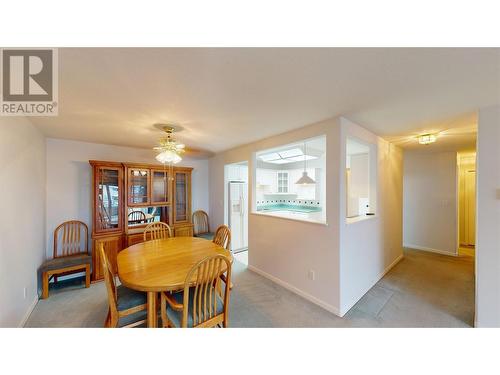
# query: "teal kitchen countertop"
[[287, 207]]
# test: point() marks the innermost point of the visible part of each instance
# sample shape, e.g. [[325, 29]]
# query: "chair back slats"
[[137, 217], [207, 290], [200, 222], [70, 238], [222, 236], [157, 231], [109, 279]]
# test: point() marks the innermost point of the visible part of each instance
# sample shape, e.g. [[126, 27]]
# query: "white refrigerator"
[[238, 215]]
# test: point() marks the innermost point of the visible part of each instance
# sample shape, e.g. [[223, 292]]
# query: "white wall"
[[430, 201], [283, 249], [370, 246], [286, 250], [69, 179], [488, 219], [22, 223]]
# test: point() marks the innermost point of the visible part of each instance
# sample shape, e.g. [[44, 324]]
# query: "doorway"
[[467, 202], [236, 208]]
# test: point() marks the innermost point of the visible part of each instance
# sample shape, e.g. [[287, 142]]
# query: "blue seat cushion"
[[63, 262], [176, 316], [208, 236], [128, 298]]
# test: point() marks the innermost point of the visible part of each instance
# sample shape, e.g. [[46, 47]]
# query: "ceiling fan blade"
[[194, 153]]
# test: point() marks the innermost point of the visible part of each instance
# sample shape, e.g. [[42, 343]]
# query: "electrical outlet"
[[25, 292], [311, 275]]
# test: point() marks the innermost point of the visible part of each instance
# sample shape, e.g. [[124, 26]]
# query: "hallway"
[[425, 290]]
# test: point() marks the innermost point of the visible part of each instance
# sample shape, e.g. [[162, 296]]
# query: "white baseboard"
[[430, 250], [391, 266], [380, 276], [297, 291], [28, 312]]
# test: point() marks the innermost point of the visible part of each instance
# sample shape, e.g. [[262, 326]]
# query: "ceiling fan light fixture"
[[427, 139], [168, 156], [169, 149]]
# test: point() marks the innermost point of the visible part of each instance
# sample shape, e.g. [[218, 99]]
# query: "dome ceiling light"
[[427, 139]]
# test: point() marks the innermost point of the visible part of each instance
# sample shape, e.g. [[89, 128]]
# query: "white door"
[[238, 215]]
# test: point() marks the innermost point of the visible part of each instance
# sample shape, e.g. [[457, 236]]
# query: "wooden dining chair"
[[137, 217], [70, 254], [127, 307], [201, 228], [222, 236], [156, 231], [203, 304]]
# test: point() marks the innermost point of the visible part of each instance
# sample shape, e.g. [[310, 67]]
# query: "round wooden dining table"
[[162, 265]]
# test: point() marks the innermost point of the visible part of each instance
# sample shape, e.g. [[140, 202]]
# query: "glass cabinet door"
[[159, 186], [181, 197], [138, 186], [109, 197]]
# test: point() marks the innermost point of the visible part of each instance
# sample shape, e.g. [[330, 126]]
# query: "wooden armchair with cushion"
[[202, 303], [223, 239], [70, 254], [201, 227], [127, 307]]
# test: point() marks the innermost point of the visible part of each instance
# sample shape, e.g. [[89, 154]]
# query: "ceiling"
[[456, 134], [231, 96]]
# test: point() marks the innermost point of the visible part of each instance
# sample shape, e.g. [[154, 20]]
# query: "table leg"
[[152, 310]]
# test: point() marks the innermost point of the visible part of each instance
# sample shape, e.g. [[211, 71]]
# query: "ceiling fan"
[[170, 150]]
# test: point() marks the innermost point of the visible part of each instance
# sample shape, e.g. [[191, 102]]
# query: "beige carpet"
[[423, 290]]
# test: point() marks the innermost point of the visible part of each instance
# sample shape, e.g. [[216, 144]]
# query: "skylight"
[[302, 158], [281, 161], [286, 156], [270, 157], [290, 153]]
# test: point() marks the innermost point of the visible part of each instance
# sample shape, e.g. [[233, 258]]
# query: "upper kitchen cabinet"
[[108, 197]]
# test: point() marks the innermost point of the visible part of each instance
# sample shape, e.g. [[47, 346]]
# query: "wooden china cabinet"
[[122, 189]]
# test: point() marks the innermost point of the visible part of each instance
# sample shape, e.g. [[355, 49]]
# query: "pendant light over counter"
[[305, 179]]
